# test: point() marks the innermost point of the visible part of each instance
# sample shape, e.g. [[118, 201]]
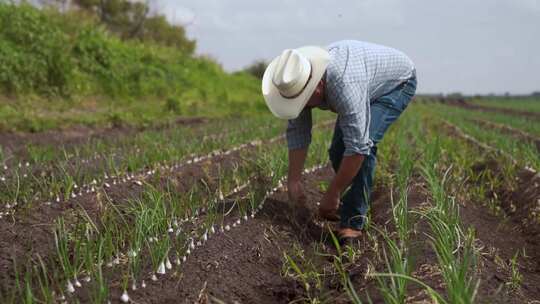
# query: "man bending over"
[[368, 86]]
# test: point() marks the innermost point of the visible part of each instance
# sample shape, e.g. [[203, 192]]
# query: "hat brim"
[[290, 108]]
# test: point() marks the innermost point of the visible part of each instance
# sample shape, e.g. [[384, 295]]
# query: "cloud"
[[461, 45]]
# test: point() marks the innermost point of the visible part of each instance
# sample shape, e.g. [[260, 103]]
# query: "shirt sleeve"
[[299, 131], [352, 107]]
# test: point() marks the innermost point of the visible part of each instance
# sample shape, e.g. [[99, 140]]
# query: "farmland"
[[133, 170], [198, 211]]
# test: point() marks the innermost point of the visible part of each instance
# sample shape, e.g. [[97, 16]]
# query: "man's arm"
[[295, 188], [298, 140], [297, 159], [347, 171], [354, 114]]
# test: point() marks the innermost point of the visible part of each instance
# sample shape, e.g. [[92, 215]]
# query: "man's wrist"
[[293, 180], [333, 190]]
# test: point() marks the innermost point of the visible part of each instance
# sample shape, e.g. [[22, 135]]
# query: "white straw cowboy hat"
[[291, 78]]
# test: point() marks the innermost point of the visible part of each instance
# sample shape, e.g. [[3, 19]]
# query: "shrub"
[[173, 105], [72, 55]]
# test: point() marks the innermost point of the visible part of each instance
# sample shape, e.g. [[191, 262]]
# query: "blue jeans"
[[384, 111]]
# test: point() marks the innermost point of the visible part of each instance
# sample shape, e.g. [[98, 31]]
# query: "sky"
[[468, 46]]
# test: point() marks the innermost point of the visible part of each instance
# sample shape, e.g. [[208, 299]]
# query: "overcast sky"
[[472, 46]]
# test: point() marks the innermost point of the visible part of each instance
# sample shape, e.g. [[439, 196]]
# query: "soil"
[[245, 265], [461, 103], [29, 233], [523, 202], [517, 232]]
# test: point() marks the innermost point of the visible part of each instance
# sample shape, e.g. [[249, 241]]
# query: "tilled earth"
[[30, 234], [245, 265]]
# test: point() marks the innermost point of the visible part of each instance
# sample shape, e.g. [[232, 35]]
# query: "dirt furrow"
[[244, 264], [515, 234], [31, 234]]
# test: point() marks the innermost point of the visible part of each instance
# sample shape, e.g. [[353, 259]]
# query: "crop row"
[[141, 239], [523, 104], [524, 152], [449, 240], [424, 155], [62, 183], [59, 178]]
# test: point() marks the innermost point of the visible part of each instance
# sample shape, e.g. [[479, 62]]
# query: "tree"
[[132, 20], [156, 28], [257, 68]]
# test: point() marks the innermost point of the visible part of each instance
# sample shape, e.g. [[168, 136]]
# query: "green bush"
[[173, 105], [73, 56]]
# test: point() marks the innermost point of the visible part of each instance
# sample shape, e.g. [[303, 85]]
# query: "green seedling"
[[516, 277]]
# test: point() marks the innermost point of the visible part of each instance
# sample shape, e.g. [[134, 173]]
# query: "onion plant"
[[454, 247], [302, 270], [141, 228], [63, 249], [99, 289], [157, 149]]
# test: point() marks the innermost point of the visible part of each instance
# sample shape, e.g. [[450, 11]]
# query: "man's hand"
[[330, 201], [296, 192], [347, 171], [294, 181]]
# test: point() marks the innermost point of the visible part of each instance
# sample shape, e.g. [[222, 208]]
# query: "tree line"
[[131, 20]]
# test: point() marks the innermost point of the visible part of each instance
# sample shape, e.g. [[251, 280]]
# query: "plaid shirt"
[[358, 73]]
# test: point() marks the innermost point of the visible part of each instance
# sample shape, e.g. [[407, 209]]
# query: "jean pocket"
[[407, 93]]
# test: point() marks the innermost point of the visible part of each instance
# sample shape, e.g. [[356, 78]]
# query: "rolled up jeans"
[[384, 111]]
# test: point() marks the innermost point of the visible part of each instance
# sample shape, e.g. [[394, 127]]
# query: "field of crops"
[[197, 212]]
